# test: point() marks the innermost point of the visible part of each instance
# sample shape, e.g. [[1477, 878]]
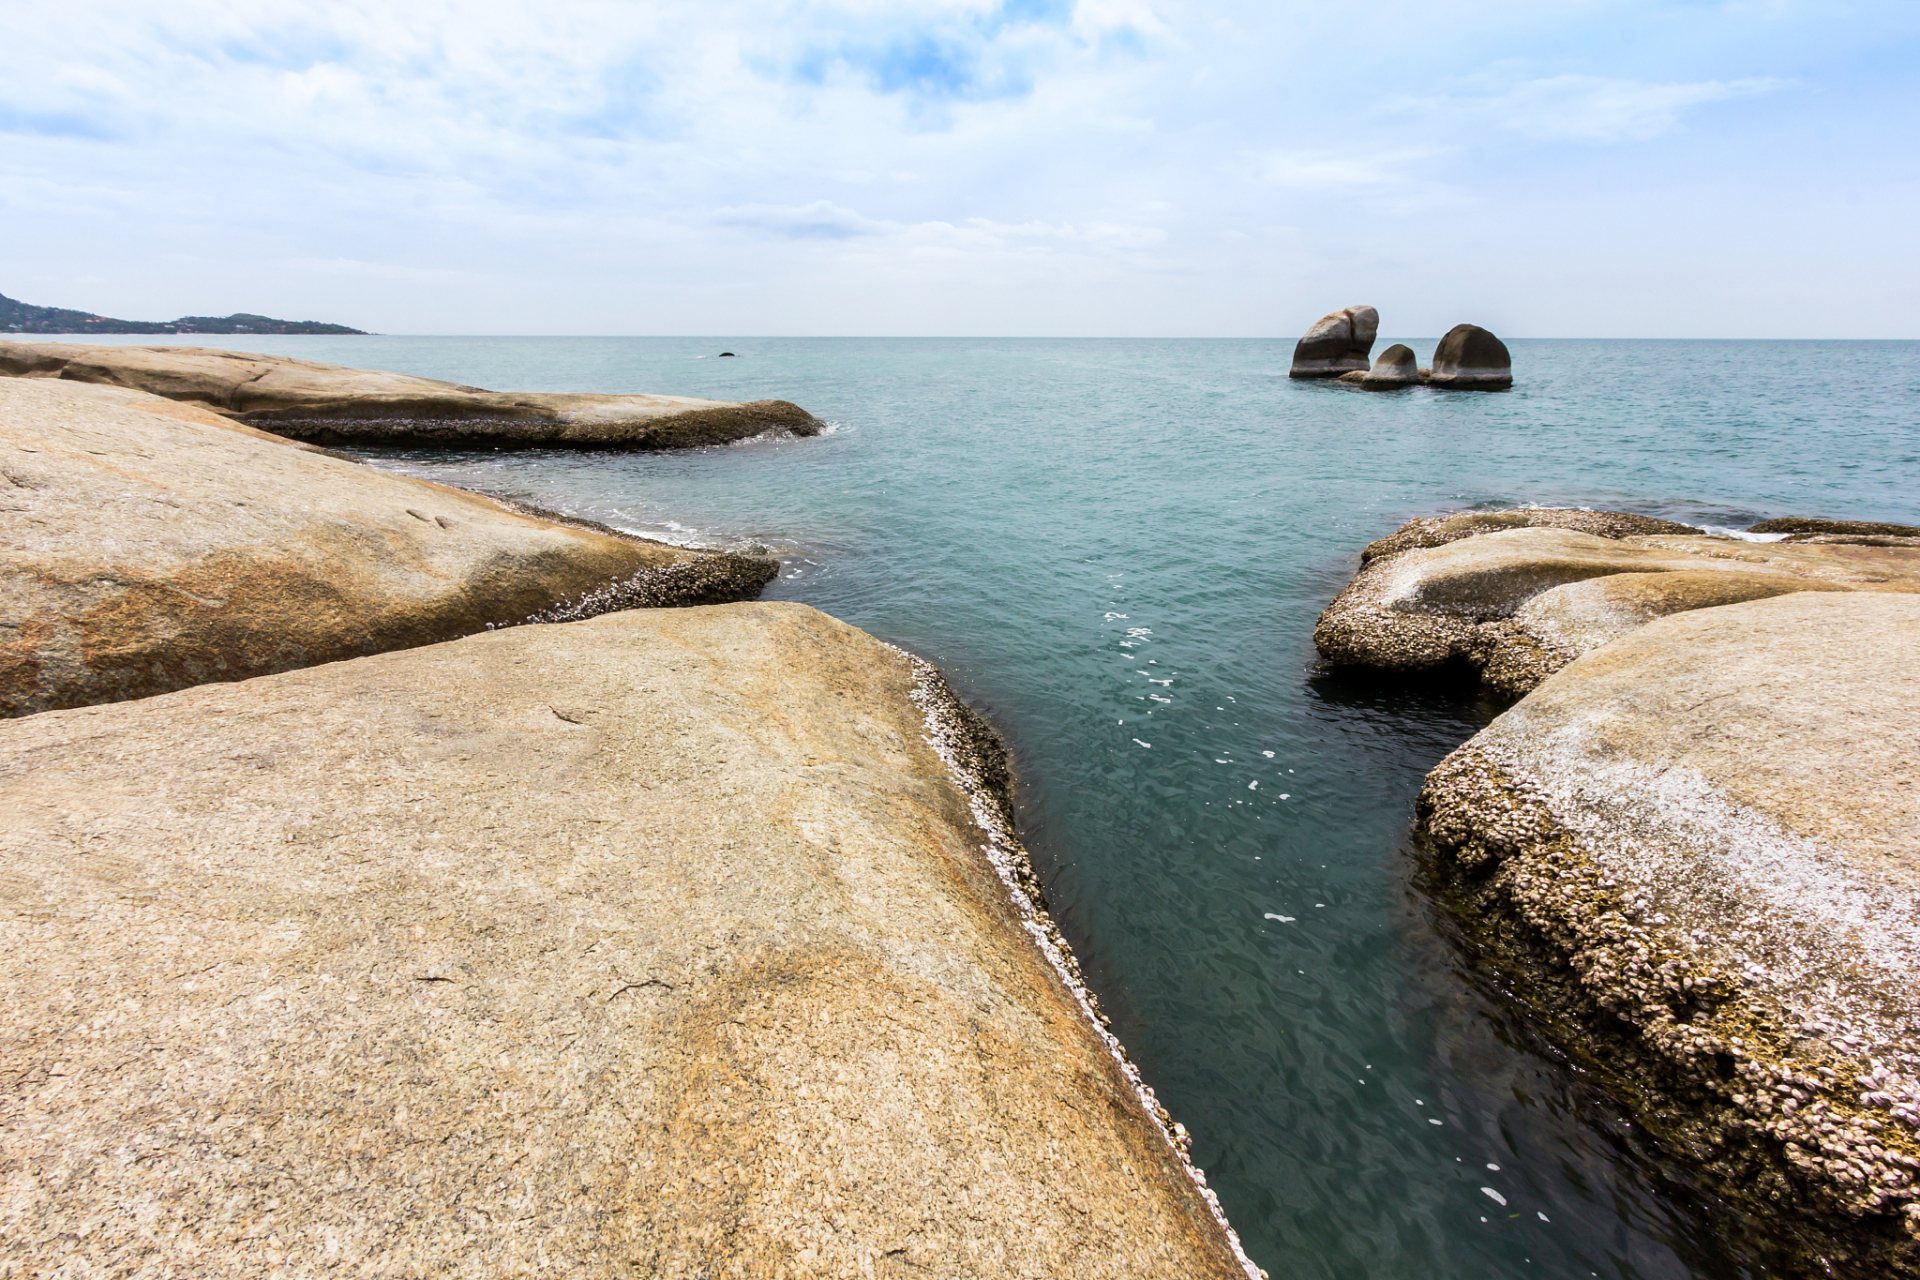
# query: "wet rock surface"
[[1337, 343], [1700, 841], [1517, 595], [666, 943], [1470, 358], [152, 545], [333, 404]]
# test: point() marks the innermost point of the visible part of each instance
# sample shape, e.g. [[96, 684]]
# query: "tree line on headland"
[[24, 317]]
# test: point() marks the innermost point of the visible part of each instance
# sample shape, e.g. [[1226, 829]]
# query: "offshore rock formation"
[[152, 545], [332, 404], [1471, 359], [673, 943], [1518, 595], [1336, 344], [1695, 847], [1396, 367]]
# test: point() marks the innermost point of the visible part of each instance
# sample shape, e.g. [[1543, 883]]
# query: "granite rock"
[[1695, 847], [153, 544], [332, 404], [1504, 601], [1336, 344], [674, 943], [1471, 359]]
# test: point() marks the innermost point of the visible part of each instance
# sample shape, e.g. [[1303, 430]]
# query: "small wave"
[[1719, 532]]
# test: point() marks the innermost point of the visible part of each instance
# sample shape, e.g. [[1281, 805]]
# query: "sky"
[[1580, 168]]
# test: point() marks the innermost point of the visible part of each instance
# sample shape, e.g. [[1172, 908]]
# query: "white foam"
[[1719, 532]]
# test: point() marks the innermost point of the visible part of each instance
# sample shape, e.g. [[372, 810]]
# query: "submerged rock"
[[1336, 344], [1471, 359], [1696, 845], [666, 943], [152, 544], [1517, 595], [332, 404]]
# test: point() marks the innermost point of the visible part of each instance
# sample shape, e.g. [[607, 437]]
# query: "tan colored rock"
[[1433, 595], [663, 944], [333, 404], [1703, 840], [1553, 628], [150, 545]]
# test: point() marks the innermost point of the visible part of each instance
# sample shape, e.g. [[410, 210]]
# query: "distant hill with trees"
[[24, 317]]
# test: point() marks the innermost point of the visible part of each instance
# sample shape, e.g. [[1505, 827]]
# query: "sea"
[[1116, 550]]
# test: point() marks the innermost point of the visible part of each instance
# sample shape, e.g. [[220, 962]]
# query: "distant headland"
[[24, 317]]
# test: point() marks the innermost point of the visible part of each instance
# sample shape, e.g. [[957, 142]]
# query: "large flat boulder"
[[151, 544], [672, 943], [1702, 841], [333, 404], [1516, 600]]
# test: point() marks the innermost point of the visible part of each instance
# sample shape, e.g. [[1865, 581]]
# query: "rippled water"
[[1118, 549]]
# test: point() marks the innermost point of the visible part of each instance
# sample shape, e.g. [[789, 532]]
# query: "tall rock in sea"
[[1338, 343], [1471, 359]]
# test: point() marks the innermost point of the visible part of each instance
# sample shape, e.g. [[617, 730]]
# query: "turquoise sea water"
[[1118, 549]]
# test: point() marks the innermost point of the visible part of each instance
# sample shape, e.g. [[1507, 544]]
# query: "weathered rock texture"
[[152, 545], [332, 404], [1396, 367], [1807, 526], [1471, 359], [1337, 344], [663, 944], [1704, 838], [1519, 603]]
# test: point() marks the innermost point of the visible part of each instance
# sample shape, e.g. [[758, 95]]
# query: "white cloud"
[[1595, 109], [1357, 169]]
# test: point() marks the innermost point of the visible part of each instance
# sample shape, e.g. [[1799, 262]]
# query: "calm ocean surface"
[[1118, 549]]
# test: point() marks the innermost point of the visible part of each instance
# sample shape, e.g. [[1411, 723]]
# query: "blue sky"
[[1127, 167]]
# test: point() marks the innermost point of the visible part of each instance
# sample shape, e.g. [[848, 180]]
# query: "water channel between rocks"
[[1117, 549]]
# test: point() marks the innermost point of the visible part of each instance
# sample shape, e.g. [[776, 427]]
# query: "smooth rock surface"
[[664, 944], [151, 544], [1706, 837], [1336, 344], [1471, 359], [333, 404], [1433, 594]]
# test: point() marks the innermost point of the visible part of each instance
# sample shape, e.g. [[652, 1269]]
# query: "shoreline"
[[1160, 1218], [1722, 925], [979, 762]]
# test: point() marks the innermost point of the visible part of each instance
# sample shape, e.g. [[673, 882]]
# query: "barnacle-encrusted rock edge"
[[153, 545], [1516, 595], [1710, 827]]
